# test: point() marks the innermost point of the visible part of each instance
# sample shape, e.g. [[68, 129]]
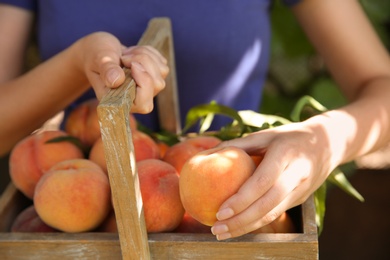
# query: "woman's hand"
[[296, 162], [103, 57]]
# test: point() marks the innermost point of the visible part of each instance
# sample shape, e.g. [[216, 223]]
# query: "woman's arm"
[[360, 65], [15, 29], [28, 100], [300, 156]]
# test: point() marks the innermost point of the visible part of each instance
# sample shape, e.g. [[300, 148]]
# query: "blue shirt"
[[221, 46]]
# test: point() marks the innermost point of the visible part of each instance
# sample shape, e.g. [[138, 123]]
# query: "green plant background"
[[295, 68]]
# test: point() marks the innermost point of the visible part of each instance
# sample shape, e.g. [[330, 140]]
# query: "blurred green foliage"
[[295, 68]]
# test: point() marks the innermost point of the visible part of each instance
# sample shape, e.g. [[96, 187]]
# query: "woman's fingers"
[[267, 207], [149, 70]]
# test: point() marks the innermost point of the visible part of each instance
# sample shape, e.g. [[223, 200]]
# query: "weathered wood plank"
[[113, 112], [162, 246]]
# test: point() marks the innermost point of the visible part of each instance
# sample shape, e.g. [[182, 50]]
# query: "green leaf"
[[304, 102], [71, 139], [166, 137], [252, 118], [206, 123], [319, 201], [202, 111], [338, 178]]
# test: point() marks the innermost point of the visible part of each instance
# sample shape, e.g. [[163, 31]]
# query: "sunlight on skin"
[[338, 136], [338, 132]]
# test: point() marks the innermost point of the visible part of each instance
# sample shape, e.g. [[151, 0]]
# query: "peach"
[[179, 153], [33, 156], [210, 177], [73, 196], [109, 224], [163, 147], [191, 225], [29, 221], [144, 146], [257, 159], [159, 184], [83, 122], [96, 154], [283, 224]]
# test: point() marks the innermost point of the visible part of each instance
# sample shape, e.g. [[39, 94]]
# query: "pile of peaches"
[[182, 185]]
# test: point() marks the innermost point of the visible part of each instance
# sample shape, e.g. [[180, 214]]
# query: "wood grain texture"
[[113, 112], [159, 35]]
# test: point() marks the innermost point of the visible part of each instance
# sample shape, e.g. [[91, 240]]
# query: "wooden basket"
[[132, 240]]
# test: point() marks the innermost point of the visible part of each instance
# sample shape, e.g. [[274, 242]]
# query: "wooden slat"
[[162, 246], [159, 35], [113, 112]]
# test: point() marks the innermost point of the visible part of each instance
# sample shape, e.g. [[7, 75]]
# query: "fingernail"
[[137, 66], [225, 214], [224, 236], [219, 229], [112, 76]]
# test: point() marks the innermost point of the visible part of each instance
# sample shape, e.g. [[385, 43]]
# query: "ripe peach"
[[257, 159], [29, 221], [191, 225], [163, 148], [109, 224], [179, 153], [96, 154], [73, 196], [33, 156], [283, 224], [210, 177], [144, 146], [159, 184], [83, 122]]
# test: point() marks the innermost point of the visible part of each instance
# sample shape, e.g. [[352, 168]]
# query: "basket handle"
[[113, 113]]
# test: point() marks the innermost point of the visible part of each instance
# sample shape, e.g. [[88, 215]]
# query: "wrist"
[[334, 130]]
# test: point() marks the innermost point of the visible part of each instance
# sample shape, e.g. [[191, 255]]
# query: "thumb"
[[112, 74]]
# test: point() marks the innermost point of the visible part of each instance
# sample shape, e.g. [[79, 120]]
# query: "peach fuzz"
[[210, 177], [159, 184], [144, 146], [96, 154], [83, 122], [73, 196], [33, 156], [29, 221], [179, 153]]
